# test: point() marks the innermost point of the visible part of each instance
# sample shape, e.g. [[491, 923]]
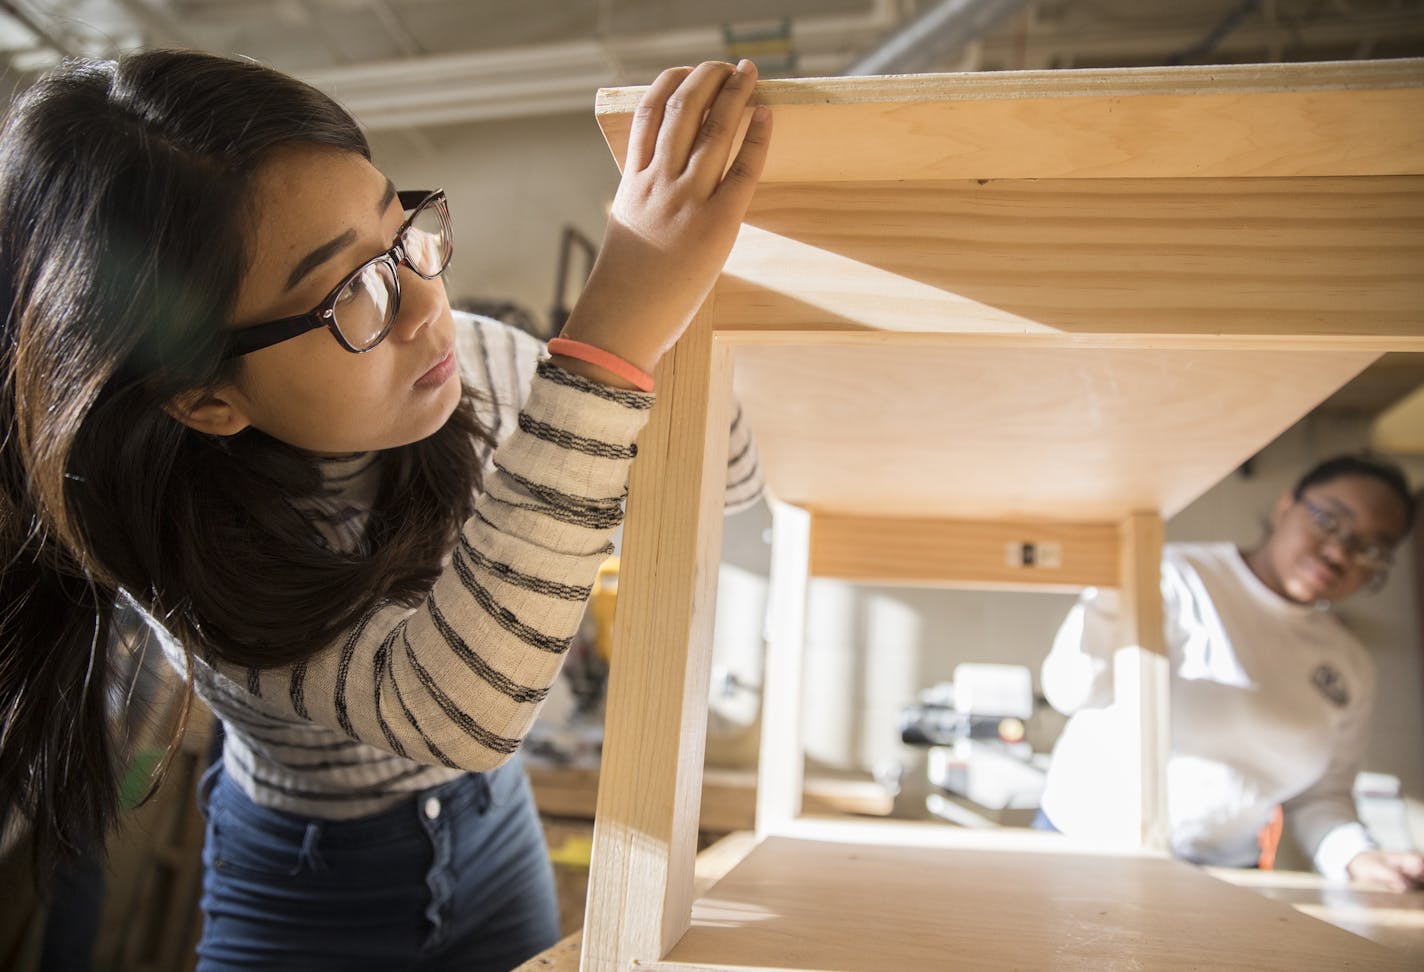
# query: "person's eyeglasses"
[[1370, 556], [360, 311]]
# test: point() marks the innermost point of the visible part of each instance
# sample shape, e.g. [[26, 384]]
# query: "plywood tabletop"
[[808, 905], [1048, 428], [728, 796], [1253, 120], [1282, 201], [1081, 297], [1392, 919], [712, 865], [1248, 199], [1298, 256]]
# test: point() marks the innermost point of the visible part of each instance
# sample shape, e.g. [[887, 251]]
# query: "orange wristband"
[[609, 362]]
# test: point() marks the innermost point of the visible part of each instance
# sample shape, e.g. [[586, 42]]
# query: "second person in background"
[[1271, 695]]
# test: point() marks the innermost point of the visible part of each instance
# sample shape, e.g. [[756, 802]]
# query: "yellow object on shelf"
[[601, 605], [575, 851]]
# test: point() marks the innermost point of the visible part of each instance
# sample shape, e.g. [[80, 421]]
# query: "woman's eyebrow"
[[1380, 536], [1337, 506], [332, 247], [386, 197], [319, 256]]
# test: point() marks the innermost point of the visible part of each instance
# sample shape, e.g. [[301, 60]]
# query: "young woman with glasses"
[[235, 404], [1271, 695]]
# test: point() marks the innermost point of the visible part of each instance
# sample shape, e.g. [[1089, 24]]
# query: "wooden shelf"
[[728, 796], [965, 311], [1188, 122], [808, 905], [712, 865], [1052, 427], [1387, 918]]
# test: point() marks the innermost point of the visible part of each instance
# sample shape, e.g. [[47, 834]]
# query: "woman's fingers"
[[740, 182], [648, 118], [676, 214], [713, 142], [683, 115]]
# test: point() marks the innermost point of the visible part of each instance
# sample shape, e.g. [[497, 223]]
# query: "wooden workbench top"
[[728, 796], [811, 905]]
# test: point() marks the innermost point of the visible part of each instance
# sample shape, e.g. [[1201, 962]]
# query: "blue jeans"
[[1041, 822], [455, 877]]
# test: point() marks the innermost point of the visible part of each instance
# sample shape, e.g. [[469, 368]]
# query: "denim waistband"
[[402, 819]]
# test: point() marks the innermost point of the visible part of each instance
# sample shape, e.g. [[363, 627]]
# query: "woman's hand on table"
[[1387, 870]]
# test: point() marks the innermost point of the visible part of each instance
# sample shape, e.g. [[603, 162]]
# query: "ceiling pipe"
[[936, 36], [439, 89], [162, 27], [23, 18], [396, 29]]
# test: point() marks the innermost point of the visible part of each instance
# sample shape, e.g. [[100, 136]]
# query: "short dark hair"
[[1366, 464]]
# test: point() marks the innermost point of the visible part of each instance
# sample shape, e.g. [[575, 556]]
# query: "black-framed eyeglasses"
[[360, 310], [1370, 556]]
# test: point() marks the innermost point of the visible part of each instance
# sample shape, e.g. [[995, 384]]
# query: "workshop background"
[[493, 101]]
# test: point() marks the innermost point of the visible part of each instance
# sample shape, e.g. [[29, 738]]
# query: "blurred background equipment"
[[569, 730], [975, 728], [571, 242], [601, 606]]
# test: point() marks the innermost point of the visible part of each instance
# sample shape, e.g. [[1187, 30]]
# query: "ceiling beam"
[[936, 36], [557, 78], [43, 34], [163, 30]]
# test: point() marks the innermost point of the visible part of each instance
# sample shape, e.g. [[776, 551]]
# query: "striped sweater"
[[410, 698]]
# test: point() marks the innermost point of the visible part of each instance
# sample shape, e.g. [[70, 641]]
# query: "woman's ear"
[[213, 411]]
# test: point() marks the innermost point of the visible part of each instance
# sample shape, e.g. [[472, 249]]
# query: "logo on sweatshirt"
[[1331, 685]]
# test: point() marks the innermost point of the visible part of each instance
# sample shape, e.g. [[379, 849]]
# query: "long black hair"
[[125, 206]]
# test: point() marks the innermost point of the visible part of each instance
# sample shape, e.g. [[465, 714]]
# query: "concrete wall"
[[512, 187]]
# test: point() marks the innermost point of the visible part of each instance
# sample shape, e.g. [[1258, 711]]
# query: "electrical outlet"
[[1028, 553]]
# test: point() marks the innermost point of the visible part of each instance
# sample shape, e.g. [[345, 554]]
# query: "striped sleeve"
[[504, 351], [458, 680], [744, 480]]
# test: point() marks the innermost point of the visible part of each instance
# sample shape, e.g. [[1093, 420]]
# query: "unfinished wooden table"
[[990, 329]]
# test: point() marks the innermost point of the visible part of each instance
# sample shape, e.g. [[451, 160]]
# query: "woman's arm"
[[1323, 817], [1078, 672], [744, 479], [492, 340], [458, 680]]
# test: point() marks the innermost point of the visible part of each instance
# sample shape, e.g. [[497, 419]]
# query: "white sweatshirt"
[[1270, 704]]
